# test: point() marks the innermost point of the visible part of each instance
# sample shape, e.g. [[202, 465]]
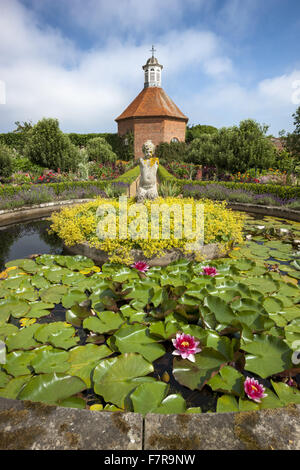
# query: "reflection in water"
[[27, 238]]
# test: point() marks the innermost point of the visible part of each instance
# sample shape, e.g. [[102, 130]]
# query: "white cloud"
[[46, 74]]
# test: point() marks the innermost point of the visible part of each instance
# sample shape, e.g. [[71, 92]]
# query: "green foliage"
[[169, 189], [6, 156], [48, 147], [99, 150], [195, 132], [173, 151], [234, 148], [293, 138], [14, 140], [202, 149]]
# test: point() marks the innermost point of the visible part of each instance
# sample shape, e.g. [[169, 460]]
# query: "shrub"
[[6, 155], [170, 152], [99, 150], [169, 189], [26, 165], [48, 147]]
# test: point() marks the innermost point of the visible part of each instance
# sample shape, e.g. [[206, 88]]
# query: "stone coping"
[[26, 425], [211, 251], [37, 211], [272, 211]]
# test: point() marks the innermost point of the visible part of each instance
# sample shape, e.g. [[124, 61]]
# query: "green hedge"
[[7, 190], [17, 140], [130, 176], [284, 192]]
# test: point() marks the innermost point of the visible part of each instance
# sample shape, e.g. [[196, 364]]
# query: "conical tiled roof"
[[152, 101]]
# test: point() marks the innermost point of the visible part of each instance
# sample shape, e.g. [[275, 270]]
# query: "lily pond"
[[178, 339]]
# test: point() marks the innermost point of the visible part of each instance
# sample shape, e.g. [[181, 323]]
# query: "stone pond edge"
[[26, 425]]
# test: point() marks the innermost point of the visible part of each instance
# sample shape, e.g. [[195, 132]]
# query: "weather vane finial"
[[153, 50]]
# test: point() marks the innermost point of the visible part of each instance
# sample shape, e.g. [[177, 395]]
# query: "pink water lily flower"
[[185, 346], [141, 266], [209, 271], [254, 390]]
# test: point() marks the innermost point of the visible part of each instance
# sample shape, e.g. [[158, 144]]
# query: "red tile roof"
[[152, 101]]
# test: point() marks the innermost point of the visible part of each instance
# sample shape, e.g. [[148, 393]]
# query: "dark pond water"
[[27, 238]]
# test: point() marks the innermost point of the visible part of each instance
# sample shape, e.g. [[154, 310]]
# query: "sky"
[[80, 61]]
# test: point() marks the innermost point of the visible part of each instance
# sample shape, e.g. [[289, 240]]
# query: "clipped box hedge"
[[284, 192]]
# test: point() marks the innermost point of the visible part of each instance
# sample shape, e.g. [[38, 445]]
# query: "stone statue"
[[147, 188]]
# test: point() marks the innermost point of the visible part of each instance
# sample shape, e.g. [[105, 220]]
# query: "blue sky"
[[81, 60]]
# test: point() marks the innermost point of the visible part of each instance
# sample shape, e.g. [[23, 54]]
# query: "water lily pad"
[[39, 309], [13, 306], [78, 262], [105, 322], [7, 329], [73, 402], [268, 355], [13, 387], [83, 359], [47, 359], [53, 294], [227, 404], [137, 338], [51, 388], [115, 378], [4, 379], [73, 297], [59, 334], [220, 309], [23, 338], [286, 393], [151, 398], [39, 282], [228, 380], [195, 375], [18, 362], [55, 274]]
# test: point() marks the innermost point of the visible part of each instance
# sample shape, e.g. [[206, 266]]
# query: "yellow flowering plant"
[[78, 224]]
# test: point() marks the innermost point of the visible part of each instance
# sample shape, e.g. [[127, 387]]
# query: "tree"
[[203, 150], [234, 148], [25, 127], [254, 149], [6, 155], [48, 147], [195, 132], [99, 150], [170, 152], [293, 139]]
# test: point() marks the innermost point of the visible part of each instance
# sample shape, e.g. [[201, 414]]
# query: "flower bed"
[[281, 191], [78, 225], [13, 196], [193, 172], [218, 192]]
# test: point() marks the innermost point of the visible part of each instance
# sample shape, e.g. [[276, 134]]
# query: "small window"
[[174, 139]]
